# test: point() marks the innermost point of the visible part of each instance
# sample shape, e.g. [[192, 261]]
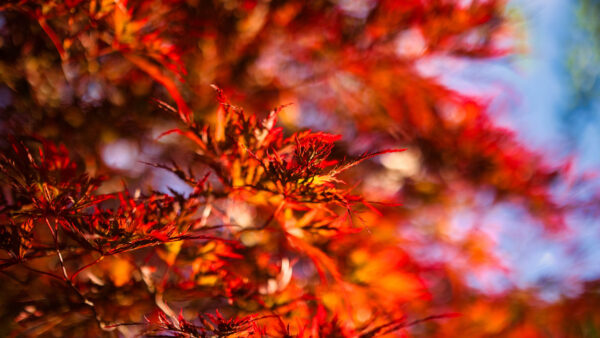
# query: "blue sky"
[[543, 81], [532, 93]]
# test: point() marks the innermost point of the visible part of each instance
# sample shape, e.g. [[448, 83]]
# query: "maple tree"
[[274, 229]]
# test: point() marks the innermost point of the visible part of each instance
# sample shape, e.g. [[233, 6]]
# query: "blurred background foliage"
[[382, 74]]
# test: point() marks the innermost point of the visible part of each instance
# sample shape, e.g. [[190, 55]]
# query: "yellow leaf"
[[171, 253], [120, 272]]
